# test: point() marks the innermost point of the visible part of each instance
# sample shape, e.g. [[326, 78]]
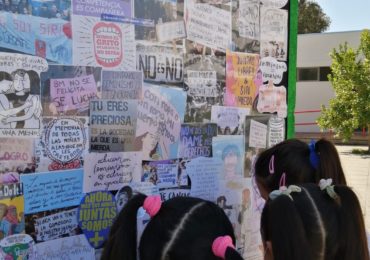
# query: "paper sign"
[[73, 93], [272, 69], [167, 194], [110, 171], [56, 225], [229, 149], [209, 25], [160, 62], [241, 70], [276, 131], [160, 114], [248, 22], [52, 190], [272, 99], [196, 140], [15, 152], [171, 31], [112, 125], [274, 33], [230, 120], [75, 247], [161, 173], [257, 134], [12, 215], [122, 84], [19, 246], [202, 83], [105, 44], [9, 62], [10, 190], [96, 214], [65, 139], [274, 3], [96, 8], [204, 174]]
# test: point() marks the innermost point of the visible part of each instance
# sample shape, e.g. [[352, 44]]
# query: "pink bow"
[[152, 204], [220, 245]]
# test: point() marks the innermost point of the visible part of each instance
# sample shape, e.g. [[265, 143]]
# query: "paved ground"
[[357, 170]]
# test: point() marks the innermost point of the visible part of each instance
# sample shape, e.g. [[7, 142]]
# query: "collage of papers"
[[104, 99]]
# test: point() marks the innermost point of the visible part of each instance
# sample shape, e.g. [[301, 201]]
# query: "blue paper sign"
[[43, 37], [124, 19], [96, 214], [52, 190]]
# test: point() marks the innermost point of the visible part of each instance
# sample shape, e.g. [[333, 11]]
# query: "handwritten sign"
[[12, 61], [272, 69], [96, 214], [122, 84], [160, 62], [202, 83], [230, 120], [274, 33], [15, 152], [110, 171], [73, 93], [204, 174], [276, 130], [19, 246], [272, 99], [56, 225], [105, 44], [112, 125], [257, 134], [171, 31], [209, 25], [167, 194], [248, 20], [52, 190], [196, 140], [65, 139], [75, 247], [241, 69]]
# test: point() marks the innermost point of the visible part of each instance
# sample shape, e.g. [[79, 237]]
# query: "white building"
[[313, 66]]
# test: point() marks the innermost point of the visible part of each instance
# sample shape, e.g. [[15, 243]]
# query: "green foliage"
[[350, 79], [311, 18]]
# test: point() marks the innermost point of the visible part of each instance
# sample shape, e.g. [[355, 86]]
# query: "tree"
[[350, 78], [311, 18]]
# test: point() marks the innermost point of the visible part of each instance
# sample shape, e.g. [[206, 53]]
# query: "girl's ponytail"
[[354, 244], [329, 166], [121, 243]]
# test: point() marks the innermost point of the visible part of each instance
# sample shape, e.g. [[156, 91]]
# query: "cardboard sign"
[[96, 214]]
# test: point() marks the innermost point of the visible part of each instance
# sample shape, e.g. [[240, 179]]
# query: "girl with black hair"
[[181, 228], [313, 223], [294, 162]]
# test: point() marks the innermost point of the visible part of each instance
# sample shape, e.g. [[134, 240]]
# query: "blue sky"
[[347, 15]]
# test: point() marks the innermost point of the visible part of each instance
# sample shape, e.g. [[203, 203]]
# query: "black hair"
[[312, 225], [292, 157], [184, 228], [34, 82], [127, 190]]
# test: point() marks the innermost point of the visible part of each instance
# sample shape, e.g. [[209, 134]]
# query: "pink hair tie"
[[220, 245], [272, 165], [152, 204]]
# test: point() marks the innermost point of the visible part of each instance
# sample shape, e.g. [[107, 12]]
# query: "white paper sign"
[[276, 130], [248, 20], [209, 25], [272, 69], [202, 83], [110, 171], [274, 3], [257, 134], [171, 31]]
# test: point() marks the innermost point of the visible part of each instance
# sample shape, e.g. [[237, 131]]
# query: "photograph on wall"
[[230, 149], [246, 26], [103, 44], [67, 90], [204, 82], [229, 120], [20, 102], [160, 114]]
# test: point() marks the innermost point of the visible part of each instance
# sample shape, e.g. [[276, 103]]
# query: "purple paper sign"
[[72, 93], [96, 8]]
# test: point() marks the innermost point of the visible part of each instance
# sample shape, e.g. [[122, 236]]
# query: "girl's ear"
[[268, 255]]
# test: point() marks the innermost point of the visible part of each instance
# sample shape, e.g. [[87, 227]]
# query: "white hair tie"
[[325, 185], [283, 190]]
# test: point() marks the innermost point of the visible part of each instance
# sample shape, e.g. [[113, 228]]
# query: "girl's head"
[[183, 228], [299, 162], [148, 142], [314, 224]]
